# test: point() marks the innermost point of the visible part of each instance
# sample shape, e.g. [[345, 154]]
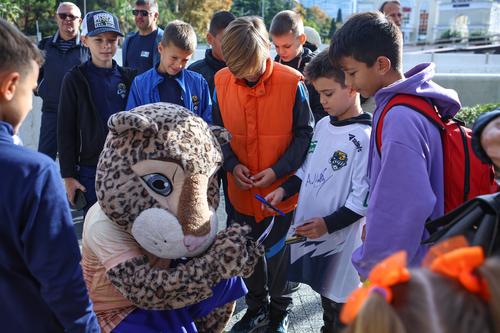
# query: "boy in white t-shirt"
[[333, 193]]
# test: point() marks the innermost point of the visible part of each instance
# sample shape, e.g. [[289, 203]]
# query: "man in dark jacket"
[[213, 61], [140, 48], [63, 51]]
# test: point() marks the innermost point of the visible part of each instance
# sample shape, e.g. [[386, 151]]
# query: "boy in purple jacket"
[[406, 178]]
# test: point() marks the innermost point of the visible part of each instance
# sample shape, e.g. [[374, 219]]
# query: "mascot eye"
[[158, 183]]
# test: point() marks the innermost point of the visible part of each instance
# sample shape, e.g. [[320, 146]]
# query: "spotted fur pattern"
[[232, 254], [158, 131], [216, 320]]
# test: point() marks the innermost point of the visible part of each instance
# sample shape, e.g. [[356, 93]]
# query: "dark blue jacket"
[[156, 54], [41, 284], [195, 92], [57, 64]]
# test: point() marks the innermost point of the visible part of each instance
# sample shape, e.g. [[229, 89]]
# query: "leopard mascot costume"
[[151, 255]]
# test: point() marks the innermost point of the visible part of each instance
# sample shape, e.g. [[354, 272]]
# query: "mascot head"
[[156, 177]]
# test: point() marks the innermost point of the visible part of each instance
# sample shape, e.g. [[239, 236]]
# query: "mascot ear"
[[223, 136], [128, 120]]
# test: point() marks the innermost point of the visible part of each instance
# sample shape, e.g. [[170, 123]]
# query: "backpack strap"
[[417, 103]]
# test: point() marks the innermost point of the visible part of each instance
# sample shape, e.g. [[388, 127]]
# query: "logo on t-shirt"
[[338, 160], [144, 54], [312, 146], [357, 144], [122, 90], [196, 102]]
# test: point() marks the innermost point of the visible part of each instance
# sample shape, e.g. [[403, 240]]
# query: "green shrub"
[[469, 114]]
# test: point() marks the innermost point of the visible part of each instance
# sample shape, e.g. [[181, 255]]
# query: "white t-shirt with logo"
[[333, 175]]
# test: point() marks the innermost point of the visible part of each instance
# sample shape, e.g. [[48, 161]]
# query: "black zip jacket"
[[207, 67], [80, 130]]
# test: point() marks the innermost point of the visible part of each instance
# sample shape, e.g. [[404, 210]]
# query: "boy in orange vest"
[[265, 107]]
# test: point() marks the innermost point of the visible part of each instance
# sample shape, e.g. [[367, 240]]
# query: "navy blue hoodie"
[[41, 283]]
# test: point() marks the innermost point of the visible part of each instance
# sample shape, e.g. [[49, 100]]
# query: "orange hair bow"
[[455, 259], [384, 275]]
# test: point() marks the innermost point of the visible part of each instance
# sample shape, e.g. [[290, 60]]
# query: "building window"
[[423, 23], [406, 16]]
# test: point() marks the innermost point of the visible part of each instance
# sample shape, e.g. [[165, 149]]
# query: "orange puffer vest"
[[260, 120]]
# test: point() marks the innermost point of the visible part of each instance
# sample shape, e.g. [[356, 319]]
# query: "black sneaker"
[[278, 323], [251, 321]]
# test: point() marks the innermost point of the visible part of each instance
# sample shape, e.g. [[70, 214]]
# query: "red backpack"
[[465, 176]]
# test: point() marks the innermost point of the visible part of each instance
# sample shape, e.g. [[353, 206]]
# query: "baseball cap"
[[100, 21]]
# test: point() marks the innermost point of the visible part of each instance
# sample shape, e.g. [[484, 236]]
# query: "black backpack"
[[478, 220]]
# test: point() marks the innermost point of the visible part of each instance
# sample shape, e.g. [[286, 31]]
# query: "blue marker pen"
[[265, 202]]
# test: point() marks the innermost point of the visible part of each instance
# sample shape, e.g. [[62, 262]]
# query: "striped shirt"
[[65, 45]]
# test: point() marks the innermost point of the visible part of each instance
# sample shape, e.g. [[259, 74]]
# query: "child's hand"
[[264, 178], [242, 177], [313, 228], [72, 185], [274, 198]]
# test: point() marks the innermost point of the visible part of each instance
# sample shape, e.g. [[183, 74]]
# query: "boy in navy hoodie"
[[90, 94], [41, 283], [406, 177]]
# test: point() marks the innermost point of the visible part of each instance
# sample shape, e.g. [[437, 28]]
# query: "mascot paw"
[[234, 254]]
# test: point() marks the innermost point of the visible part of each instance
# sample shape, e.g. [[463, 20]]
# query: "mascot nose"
[[194, 212]]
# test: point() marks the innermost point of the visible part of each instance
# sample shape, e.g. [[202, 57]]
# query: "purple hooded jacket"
[[406, 181]]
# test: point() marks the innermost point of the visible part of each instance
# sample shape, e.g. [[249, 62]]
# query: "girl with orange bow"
[[457, 291]]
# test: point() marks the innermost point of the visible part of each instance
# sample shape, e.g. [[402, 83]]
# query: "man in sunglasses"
[[63, 51], [140, 49]]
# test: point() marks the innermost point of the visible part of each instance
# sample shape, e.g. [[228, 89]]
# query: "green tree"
[[10, 11], [25, 13], [246, 7], [316, 18], [333, 28], [339, 16], [252, 7], [199, 12]]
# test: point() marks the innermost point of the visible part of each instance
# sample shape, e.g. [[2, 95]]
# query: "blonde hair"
[[245, 45], [430, 302]]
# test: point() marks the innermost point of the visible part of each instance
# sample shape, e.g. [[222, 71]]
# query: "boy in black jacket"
[[287, 33], [214, 60], [90, 94]]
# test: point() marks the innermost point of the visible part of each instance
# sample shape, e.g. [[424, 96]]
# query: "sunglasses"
[[140, 12], [64, 16]]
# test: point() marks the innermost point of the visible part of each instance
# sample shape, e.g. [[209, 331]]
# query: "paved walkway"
[[306, 316]]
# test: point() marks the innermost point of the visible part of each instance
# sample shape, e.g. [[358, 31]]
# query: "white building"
[[468, 17], [427, 20]]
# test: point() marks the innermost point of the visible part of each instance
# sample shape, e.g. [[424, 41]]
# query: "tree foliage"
[[266, 8], [333, 28], [316, 18], [25, 14], [199, 12]]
